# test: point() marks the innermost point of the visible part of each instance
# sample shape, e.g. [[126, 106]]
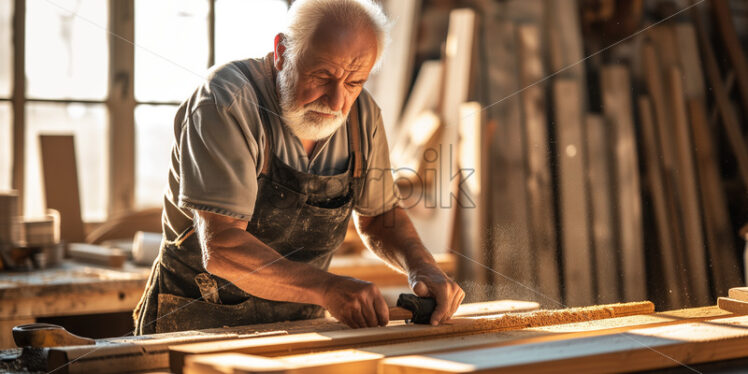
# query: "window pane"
[[246, 29], [66, 49], [171, 56], [6, 146], [6, 47], [154, 135], [88, 124]]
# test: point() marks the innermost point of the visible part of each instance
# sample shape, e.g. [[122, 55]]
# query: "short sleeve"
[[379, 190], [218, 158]]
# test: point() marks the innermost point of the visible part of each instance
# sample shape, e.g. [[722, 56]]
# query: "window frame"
[[120, 100]]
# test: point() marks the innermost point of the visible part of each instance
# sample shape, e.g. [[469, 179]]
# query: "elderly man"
[[272, 156]]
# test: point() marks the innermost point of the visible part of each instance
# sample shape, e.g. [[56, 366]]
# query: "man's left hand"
[[429, 281]]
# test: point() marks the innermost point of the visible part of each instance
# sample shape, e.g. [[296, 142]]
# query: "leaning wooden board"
[[303, 343], [367, 360], [638, 349], [573, 206]]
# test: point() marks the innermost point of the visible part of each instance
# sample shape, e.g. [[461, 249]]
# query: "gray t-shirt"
[[219, 144]]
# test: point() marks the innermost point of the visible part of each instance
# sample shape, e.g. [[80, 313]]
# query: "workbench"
[[74, 289]]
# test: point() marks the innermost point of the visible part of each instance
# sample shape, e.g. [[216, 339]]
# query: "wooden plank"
[[436, 226], [657, 188], [511, 255], [574, 208], [150, 352], [367, 360], [733, 305], [733, 46], [634, 350], [97, 255], [727, 113], [540, 198], [473, 162], [61, 184], [409, 139], [121, 105], [689, 194], [301, 343], [606, 267], [389, 86], [653, 75], [19, 101], [739, 293], [723, 261], [618, 110]]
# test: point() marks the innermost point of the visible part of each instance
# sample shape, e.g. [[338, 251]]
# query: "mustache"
[[321, 108]]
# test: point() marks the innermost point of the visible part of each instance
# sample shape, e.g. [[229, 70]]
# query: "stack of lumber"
[[560, 341], [10, 228], [578, 169]]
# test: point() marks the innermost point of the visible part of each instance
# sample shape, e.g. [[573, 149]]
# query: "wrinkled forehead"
[[342, 48]]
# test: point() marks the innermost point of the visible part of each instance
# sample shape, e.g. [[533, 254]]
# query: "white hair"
[[304, 17]]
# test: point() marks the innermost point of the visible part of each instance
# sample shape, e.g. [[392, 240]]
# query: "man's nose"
[[336, 97]]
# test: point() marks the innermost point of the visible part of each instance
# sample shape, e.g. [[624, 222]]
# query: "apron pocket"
[[177, 313]]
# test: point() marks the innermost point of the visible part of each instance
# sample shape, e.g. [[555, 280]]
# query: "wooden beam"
[[633, 350], [19, 101], [666, 155], [607, 274], [689, 194], [574, 208], [540, 198], [511, 255], [300, 343], [657, 188], [618, 111], [121, 105], [473, 162], [367, 360]]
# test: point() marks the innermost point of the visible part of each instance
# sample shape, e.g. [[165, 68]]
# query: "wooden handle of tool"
[[398, 313]]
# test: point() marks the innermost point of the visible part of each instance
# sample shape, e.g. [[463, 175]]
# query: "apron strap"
[[354, 140]]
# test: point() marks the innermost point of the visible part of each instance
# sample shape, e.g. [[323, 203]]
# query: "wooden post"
[[618, 109], [540, 200], [574, 207], [607, 273], [19, 100], [121, 104]]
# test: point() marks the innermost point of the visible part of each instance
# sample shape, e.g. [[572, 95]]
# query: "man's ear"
[[279, 48]]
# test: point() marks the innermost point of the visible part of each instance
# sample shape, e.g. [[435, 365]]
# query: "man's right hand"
[[355, 302]]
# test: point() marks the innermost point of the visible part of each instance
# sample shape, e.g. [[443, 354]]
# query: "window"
[[154, 135], [66, 49], [67, 52], [171, 52], [6, 48], [246, 29]]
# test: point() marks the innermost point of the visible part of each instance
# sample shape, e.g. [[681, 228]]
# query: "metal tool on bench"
[[40, 335], [413, 308]]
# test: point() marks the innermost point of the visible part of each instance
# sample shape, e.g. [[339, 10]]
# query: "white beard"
[[301, 120]]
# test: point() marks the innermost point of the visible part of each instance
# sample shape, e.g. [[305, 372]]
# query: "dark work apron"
[[294, 214]]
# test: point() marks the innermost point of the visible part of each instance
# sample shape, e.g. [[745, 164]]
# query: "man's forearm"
[[392, 237], [241, 258]]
